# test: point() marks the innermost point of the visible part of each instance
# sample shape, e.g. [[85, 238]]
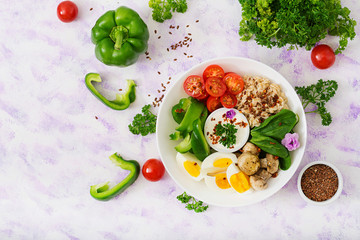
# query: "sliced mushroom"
[[263, 163], [263, 174], [258, 183], [249, 163], [272, 163], [251, 148]]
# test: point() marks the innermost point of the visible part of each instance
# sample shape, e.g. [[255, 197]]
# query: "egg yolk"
[[240, 182], [222, 162], [192, 168], [221, 181]]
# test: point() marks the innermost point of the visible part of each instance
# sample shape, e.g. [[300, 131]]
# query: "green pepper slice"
[[178, 111], [185, 145], [120, 37], [194, 112], [199, 145], [121, 102], [103, 192]]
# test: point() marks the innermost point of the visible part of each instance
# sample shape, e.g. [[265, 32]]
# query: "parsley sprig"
[[226, 132], [144, 123], [162, 9], [192, 203], [298, 23], [318, 94]]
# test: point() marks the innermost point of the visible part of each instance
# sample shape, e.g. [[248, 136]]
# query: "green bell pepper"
[[193, 112], [103, 192], [185, 145], [121, 102], [178, 111], [120, 37], [199, 145]]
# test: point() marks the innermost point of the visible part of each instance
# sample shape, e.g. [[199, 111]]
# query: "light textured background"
[[52, 147]]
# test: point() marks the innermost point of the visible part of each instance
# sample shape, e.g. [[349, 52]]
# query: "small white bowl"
[[333, 198]]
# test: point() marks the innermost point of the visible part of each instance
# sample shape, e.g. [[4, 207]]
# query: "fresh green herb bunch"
[[144, 123], [318, 94], [299, 23], [163, 9], [226, 132], [192, 203]]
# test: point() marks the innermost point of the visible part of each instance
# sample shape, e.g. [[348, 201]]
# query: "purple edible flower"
[[291, 141], [230, 114]]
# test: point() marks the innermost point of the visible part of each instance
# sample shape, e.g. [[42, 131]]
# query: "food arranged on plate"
[[245, 139]]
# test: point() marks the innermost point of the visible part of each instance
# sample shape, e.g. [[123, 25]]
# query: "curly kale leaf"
[[296, 23], [163, 9]]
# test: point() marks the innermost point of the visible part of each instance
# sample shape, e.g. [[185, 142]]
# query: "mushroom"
[[249, 163], [272, 163], [251, 148], [258, 183], [259, 180]]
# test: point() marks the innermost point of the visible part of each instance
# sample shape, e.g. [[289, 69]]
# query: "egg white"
[[183, 157], [231, 170]]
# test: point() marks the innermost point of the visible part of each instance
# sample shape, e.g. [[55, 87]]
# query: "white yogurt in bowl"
[[226, 116]]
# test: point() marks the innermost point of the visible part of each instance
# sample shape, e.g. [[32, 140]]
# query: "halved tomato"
[[228, 100], [213, 71], [194, 86], [213, 103], [204, 94], [215, 86], [234, 83]]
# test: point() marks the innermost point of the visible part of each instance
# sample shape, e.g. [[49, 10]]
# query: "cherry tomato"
[[153, 170], [194, 86], [213, 103], [322, 56], [234, 83], [213, 71], [204, 94], [228, 100], [67, 11], [215, 87]]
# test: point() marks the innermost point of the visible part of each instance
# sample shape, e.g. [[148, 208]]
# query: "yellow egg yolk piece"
[[240, 182], [222, 162], [192, 168], [221, 181]]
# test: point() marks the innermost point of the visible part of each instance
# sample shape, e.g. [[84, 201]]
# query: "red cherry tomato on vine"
[[322, 56], [67, 11], [153, 170]]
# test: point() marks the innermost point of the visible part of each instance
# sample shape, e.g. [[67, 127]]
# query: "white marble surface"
[[52, 147]]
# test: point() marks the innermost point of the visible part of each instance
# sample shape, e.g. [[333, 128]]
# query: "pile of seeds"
[[319, 182]]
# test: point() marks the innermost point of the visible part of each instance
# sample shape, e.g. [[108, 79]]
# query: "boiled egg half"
[[237, 179], [190, 165], [214, 169]]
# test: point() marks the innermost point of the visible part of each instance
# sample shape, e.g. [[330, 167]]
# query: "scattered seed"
[[96, 117], [155, 31], [91, 9]]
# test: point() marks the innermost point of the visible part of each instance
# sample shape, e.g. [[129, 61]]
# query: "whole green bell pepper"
[[104, 192], [121, 102], [120, 37]]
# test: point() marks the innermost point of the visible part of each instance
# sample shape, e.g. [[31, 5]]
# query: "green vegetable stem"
[[163, 9], [121, 102], [104, 192], [318, 94], [144, 123], [298, 23], [120, 37]]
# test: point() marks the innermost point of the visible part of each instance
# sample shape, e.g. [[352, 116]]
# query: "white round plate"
[[166, 125]]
